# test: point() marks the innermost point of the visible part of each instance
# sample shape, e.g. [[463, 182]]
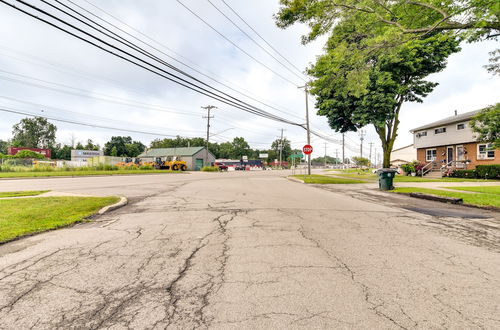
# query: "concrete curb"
[[122, 202], [295, 180], [443, 199]]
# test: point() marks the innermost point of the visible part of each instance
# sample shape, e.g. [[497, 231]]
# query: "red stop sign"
[[307, 149]]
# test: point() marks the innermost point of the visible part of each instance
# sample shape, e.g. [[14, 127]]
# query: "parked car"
[[221, 166], [240, 167]]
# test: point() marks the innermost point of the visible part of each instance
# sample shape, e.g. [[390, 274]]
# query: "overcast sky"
[[99, 88]]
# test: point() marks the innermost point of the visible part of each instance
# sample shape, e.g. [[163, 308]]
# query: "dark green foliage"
[[488, 171], [34, 133], [123, 146], [471, 174], [28, 154], [487, 124]]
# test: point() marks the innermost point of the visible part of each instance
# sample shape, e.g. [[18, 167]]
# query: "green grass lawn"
[[323, 179], [481, 189], [25, 216], [481, 199], [405, 178], [76, 173], [22, 193]]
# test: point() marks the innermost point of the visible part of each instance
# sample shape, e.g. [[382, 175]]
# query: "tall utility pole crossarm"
[[208, 108], [281, 148], [362, 134], [343, 149], [307, 128]]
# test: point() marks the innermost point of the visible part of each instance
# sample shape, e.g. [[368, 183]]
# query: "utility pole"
[[281, 149], [371, 144], [325, 154], [361, 134], [337, 155], [307, 127], [343, 149], [208, 108]]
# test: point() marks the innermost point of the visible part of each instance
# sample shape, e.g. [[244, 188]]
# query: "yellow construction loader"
[[171, 163]]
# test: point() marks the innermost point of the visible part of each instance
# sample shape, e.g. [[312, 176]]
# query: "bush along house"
[[448, 147]]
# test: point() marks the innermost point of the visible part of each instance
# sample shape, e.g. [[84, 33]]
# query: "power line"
[[253, 40], [75, 122], [174, 52], [234, 44], [260, 36], [172, 77]]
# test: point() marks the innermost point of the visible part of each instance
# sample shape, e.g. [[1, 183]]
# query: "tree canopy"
[[487, 124], [385, 26], [34, 133], [123, 146]]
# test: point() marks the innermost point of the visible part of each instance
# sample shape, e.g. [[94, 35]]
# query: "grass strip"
[[480, 189], [22, 193], [76, 173], [26, 216], [407, 178], [480, 199], [323, 179]]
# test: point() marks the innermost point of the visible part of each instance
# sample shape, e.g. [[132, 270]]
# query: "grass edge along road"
[[324, 179], [477, 198], [22, 193], [78, 173], [26, 216], [406, 178]]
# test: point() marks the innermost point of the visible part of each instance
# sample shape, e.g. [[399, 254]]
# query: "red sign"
[[13, 151], [307, 149]]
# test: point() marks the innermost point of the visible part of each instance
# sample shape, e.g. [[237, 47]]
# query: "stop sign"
[[307, 149]]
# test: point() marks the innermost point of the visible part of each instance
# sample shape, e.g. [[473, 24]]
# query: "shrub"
[[488, 171], [29, 154], [210, 168], [463, 174], [146, 167], [408, 168]]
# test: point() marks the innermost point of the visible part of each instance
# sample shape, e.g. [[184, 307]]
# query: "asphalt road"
[[253, 251]]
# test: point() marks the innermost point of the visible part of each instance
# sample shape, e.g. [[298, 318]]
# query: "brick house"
[[451, 143]]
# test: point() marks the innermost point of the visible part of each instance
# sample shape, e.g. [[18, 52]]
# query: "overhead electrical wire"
[[235, 45], [254, 41], [260, 36], [75, 122], [146, 65], [43, 107], [254, 98]]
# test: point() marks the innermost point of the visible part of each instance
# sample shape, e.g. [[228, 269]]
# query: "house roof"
[[410, 145], [449, 120], [165, 152]]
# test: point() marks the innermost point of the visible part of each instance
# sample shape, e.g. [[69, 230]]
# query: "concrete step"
[[434, 175]]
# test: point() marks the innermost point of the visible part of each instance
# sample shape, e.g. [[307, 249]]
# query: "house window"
[[420, 134], [460, 126], [484, 152], [440, 130], [430, 155]]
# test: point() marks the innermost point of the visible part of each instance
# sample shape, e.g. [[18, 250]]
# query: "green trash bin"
[[385, 178]]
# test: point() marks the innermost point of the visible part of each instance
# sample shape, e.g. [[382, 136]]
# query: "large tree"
[[123, 146], [389, 24], [34, 133], [393, 79], [487, 125], [3, 146]]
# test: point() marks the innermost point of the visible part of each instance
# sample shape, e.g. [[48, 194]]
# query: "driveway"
[[251, 251]]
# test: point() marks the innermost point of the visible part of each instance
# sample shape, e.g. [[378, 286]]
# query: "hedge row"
[[481, 172]]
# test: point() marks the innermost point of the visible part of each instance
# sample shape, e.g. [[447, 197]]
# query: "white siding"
[[408, 154], [451, 136]]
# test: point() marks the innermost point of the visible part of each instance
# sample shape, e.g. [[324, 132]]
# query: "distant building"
[[451, 142], [195, 157], [403, 155], [85, 155], [45, 152]]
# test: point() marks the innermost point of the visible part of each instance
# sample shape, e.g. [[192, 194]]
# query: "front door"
[[449, 155], [199, 164]]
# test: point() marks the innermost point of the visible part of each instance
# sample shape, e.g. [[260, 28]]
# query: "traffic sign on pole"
[[307, 149]]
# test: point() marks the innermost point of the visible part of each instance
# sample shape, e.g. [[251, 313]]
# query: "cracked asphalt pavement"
[[252, 251]]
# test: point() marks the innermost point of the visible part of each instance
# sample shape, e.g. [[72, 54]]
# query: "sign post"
[[308, 149]]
